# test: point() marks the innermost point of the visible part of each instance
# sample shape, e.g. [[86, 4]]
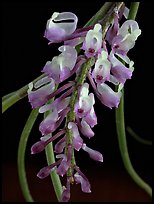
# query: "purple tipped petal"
[[121, 73], [59, 147], [44, 172], [91, 118], [57, 29], [38, 147], [85, 185], [60, 67], [64, 165], [107, 96], [40, 96], [48, 125], [77, 140], [66, 195], [86, 130], [126, 36], [93, 153]]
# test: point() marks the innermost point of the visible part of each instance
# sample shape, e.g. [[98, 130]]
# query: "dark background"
[[24, 53]]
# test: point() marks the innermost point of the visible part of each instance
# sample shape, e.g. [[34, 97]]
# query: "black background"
[[25, 52]]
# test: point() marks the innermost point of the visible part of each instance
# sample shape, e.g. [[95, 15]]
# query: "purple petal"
[[66, 195], [38, 147], [91, 118], [107, 96], [77, 140], [63, 167], [40, 96], [44, 172], [59, 146], [60, 67], [112, 32], [93, 153], [85, 185], [121, 73], [86, 130]]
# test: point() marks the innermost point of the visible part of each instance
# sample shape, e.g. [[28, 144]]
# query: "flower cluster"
[[106, 50]]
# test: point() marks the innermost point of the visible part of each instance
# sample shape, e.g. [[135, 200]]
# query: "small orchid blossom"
[[77, 140], [60, 67], [107, 96], [58, 110], [85, 185], [86, 129], [101, 72], [119, 70], [39, 96], [93, 41], [126, 36], [85, 101], [60, 25], [66, 193], [93, 153]]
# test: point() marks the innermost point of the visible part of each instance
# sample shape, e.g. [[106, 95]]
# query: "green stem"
[[139, 139], [120, 125], [21, 155], [133, 10], [54, 176]]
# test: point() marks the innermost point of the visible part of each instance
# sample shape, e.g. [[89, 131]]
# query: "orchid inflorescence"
[[104, 62]]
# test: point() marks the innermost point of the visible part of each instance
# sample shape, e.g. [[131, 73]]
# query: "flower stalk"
[[120, 125]]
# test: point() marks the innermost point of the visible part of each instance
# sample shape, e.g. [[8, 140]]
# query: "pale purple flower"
[[107, 96], [59, 146], [93, 41], [85, 185], [66, 161], [77, 140], [101, 71], [86, 129], [60, 25], [60, 67], [45, 140], [45, 171], [63, 167], [119, 70], [85, 101], [58, 111], [126, 36], [95, 155], [39, 96], [66, 194]]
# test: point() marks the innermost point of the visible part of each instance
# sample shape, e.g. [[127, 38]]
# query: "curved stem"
[[21, 155], [54, 176], [120, 124], [136, 137]]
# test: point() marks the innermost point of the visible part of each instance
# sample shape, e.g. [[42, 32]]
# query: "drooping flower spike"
[[72, 106]]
